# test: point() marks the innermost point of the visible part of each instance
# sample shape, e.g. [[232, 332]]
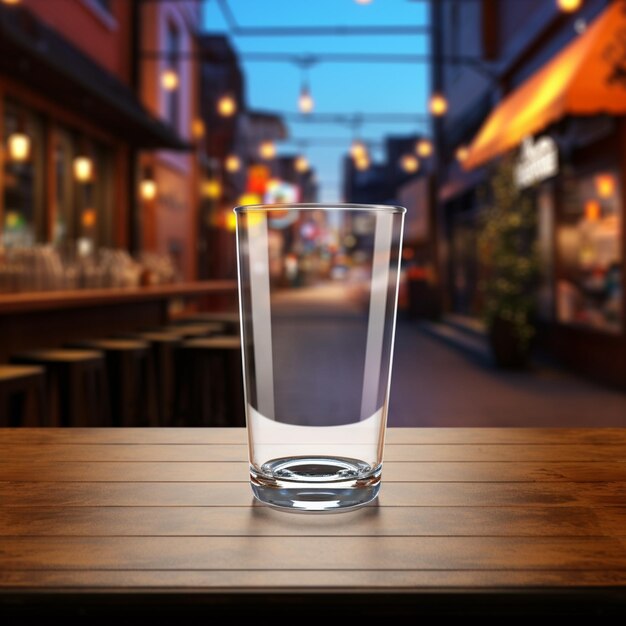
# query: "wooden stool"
[[131, 375], [229, 320], [22, 396], [77, 386], [210, 382], [164, 356]]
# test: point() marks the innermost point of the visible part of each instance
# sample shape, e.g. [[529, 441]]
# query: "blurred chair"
[[229, 320], [22, 396], [210, 382], [77, 386], [131, 377], [191, 331]]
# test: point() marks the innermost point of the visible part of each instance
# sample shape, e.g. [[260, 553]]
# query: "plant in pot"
[[507, 250]]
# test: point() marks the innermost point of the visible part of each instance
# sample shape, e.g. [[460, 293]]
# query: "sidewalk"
[[434, 384]]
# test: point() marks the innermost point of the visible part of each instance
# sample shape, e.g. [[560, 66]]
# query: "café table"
[[128, 522]]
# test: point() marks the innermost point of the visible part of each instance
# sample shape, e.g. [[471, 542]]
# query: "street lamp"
[[18, 145], [232, 163], [306, 104], [569, 6], [267, 150]]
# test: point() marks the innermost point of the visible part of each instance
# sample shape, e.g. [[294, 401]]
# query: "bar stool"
[[131, 374], [229, 319], [210, 383], [164, 356], [77, 386], [22, 396]]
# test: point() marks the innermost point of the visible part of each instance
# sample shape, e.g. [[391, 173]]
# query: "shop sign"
[[537, 161]]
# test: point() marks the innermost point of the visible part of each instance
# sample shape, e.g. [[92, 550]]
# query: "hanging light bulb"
[[169, 80], [211, 188], [148, 187], [267, 150], [301, 164], [461, 154], [409, 163], [18, 145], [83, 169], [358, 150], [197, 128], [424, 148], [227, 106], [232, 163], [569, 6], [438, 105], [306, 104]]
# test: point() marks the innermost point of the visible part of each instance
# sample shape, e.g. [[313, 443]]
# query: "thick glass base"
[[315, 484]]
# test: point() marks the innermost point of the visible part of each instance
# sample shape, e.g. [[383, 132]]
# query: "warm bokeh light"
[[461, 154], [592, 210], [605, 185], [306, 104], [267, 150], [197, 128], [12, 2], [169, 80], [89, 218], [438, 105], [18, 145], [409, 163], [211, 188], [424, 148], [232, 163], [148, 189], [358, 150], [362, 163], [83, 169], [230, 221], [227, 106], [301, 165], [569, 6], [248, 199]]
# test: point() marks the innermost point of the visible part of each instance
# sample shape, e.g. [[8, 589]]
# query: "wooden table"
[[468, 520]]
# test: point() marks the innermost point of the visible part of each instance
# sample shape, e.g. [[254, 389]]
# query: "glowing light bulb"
[[197, 128], [83, 169], [306, 104], [362, 163], [267, 150], [18, 145], [169, 80], [424, 148], [226, 106], [605, 185], [212, 188], [301, 165], [438, 105], [569, 6], [232, 163], [409, 164], [358, 150], [461, 154], [148, 189]]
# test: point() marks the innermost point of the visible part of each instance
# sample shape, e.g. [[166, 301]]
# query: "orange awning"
[[588, 77]]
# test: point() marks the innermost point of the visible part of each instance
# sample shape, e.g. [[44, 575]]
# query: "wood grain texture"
[[461, 511]]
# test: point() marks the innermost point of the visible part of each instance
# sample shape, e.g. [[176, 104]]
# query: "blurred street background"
[[130, 129]]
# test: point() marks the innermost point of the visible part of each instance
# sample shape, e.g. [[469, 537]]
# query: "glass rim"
[[321, 206]]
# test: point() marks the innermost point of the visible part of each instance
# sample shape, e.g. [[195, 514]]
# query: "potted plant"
[[508, 253]]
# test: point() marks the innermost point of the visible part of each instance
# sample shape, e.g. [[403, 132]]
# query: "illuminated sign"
[[537, 161]]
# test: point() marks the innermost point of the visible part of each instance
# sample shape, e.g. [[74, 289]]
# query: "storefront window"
[[23, 146], [589, 287]]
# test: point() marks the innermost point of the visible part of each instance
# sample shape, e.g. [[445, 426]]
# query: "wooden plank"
[[216, 472], [312, 553], [239, 494], [228, 451], [395, 436], [312, 580], [378, 521]]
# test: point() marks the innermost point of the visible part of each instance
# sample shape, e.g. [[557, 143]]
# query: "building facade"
[[529, 82]]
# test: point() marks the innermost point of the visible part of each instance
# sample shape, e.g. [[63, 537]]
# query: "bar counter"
[[121, 523], [48, 319]]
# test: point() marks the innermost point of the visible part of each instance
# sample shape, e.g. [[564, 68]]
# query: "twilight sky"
[[336, 87]]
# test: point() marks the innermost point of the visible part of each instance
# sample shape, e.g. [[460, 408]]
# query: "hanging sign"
[[537, 161]]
